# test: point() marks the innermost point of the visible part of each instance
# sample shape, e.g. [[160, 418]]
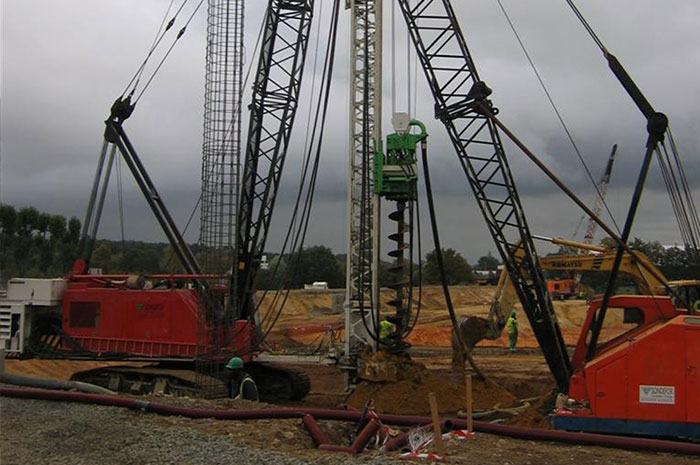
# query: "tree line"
[[36, 244], [39, 244]]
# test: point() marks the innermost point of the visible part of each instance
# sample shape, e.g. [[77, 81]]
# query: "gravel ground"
[[44, 432], [41, 432]]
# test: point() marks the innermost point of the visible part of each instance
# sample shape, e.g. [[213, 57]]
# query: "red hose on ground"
[[365, 435], [313, 429], [622, 442]]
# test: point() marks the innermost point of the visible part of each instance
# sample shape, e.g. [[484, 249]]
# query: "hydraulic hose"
[[314, 431], [592, 439], [365, 435], [441, 265], [45, 383]]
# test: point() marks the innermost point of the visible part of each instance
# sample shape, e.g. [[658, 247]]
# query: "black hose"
[[441, 263]]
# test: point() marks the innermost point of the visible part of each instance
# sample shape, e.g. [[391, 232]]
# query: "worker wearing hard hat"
[[512, 329], [239, 384]]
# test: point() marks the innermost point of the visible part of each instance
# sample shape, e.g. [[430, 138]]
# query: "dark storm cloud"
[[65, 62]]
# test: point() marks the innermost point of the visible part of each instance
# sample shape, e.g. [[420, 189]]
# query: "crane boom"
[[600, 198], [598, 204], [458, 92], [272, 111]]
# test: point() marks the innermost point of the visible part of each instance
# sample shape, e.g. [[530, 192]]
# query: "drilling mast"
[[362, 289]]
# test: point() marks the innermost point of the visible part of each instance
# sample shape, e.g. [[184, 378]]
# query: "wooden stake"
[[470, 423], [439, 445]]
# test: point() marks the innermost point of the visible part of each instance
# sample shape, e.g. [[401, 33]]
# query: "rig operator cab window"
[[618, 321]]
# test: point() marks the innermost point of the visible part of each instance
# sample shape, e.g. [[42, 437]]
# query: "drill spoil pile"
[[409, 395]]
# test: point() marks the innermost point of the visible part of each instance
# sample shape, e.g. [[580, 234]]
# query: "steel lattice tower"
[[221, 153], [362, 290], [222, 134]]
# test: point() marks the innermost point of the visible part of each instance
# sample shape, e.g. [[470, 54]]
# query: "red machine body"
[[104, 316], [644, 380]]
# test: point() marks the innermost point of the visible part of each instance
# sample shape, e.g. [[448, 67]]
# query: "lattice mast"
[[221, 153], [462, 104], [362, 290], [222, 133]]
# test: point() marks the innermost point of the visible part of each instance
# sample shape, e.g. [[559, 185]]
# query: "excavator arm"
[[648, 282], [648, 278]]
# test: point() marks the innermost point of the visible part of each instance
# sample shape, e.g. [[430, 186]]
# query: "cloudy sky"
[[63, 64]]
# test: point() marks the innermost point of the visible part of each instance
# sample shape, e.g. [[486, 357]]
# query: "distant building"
[[316, 286]]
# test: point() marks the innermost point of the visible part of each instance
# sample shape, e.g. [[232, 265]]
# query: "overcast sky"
[[63, 64]]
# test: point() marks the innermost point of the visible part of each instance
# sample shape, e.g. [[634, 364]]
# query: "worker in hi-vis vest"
[[512, 329], [239, 384], [386, 327]]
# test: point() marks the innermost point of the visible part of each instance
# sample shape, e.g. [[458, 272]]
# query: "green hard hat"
[[235, 363], [513, 313]]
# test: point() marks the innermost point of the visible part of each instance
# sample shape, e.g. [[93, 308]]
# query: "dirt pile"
[[409, 396], [306, 316]]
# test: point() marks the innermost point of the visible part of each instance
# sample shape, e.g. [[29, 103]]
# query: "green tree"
[[57, 227], [169, 262], [676, 264], [67, 248], [271, 278], [101, 257], [315, 263], [653, 250], [8, 217], [608, 243], [457, 269], [27, 220], [74, 229], [42, 224], [487, 263]]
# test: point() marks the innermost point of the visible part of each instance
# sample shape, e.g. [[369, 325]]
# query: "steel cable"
[[167, 53], [557, 112], [159, 37]]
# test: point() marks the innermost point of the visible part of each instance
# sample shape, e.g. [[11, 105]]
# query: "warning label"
[[657, 394]]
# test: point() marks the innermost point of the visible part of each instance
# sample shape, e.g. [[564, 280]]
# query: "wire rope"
[[393, 58], [587, 26], [167, 53], [557, 112], [120, 200], [292, 224], [321, 116], [229, 131], [441, 266], [683, 203], [159, 37]]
